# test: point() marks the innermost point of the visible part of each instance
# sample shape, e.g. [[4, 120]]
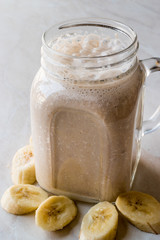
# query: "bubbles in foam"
[[87, 45], [81, 68]]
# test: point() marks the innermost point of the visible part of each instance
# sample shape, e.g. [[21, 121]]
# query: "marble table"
[[21, 26]]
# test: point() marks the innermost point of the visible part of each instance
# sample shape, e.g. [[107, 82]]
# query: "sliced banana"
[[23, 166], [55, 213], [22, 198], [100, 223], [141, 209]]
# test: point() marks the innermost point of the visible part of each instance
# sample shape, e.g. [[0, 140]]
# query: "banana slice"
[[141, 209], [100, 223], [23, 166], [22, 198], [55, 213]]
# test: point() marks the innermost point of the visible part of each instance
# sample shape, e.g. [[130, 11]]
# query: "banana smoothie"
[[84, 117]]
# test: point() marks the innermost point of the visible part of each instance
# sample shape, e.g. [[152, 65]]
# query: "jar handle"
[[150, 65], [153, 123]]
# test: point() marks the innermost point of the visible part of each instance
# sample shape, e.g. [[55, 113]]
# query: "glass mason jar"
[[87, 114]]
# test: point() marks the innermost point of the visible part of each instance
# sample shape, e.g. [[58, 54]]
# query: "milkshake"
[[85, 116]]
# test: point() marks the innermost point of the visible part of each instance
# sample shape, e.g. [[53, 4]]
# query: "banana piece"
[[55, 213], [22, 198], [23, 166], [142, 210], [100, 223]]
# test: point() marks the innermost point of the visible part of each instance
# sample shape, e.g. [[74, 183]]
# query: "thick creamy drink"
[[84, 125]]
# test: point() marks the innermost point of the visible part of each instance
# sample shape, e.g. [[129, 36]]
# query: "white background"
[[22, 23]]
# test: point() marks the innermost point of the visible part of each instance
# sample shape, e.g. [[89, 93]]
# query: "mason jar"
[[87, 114]]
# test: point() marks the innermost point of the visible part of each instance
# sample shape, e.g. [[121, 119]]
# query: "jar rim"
[[98, 22]]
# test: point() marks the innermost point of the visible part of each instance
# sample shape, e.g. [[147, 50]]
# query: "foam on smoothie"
[[79, 53], [88, 45]]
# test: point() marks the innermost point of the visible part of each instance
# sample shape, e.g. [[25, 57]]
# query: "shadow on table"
[[122, 228], [148, 175]]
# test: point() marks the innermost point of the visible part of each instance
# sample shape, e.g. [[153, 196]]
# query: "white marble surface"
[[22, 23]]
